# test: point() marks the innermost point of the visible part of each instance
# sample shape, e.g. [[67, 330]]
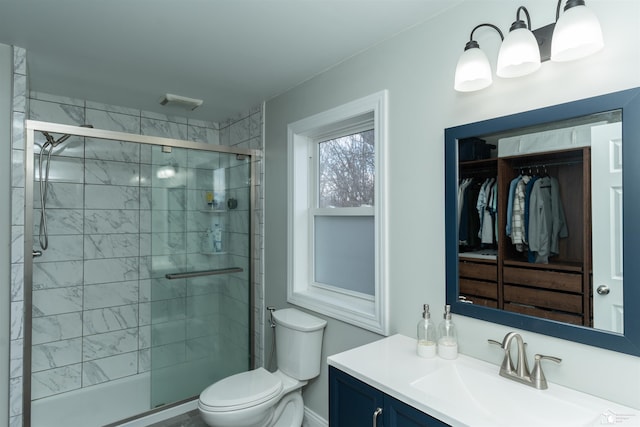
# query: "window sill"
[[360, 312]]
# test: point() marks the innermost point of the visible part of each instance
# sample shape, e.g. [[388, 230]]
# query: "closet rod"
[[544, 165], [475, 172]]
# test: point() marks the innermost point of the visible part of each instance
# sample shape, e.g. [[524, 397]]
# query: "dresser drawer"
[[550, 300], [479, 288], [553, 280], [478, 271]]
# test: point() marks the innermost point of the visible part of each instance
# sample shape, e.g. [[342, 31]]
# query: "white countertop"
[[392, 366]]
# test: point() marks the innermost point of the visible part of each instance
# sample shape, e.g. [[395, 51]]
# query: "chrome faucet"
[[521, 372]]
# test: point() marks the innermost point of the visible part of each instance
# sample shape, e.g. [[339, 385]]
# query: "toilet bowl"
[[259, 398], [255, 398]]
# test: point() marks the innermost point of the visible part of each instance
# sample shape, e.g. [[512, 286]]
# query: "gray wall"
[[6, 69], [417, 68]]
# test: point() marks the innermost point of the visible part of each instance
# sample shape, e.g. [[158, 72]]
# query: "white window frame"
[[361, 310]]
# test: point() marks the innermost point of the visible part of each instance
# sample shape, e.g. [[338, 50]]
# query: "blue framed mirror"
[[582, 283]]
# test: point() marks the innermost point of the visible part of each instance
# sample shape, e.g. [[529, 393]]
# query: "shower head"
[[52, 141], [55, 142]]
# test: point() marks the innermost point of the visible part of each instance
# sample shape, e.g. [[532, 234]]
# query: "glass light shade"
[[519, 54], [473, 71], [577, 34]]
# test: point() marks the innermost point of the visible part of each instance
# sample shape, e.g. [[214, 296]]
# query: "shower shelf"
[[218, 211], [214, 253], [189, 274]]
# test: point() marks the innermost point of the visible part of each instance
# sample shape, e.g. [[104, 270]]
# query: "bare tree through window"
[[347, 171]]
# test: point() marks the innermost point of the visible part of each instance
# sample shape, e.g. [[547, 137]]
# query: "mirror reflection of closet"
[[527, 200]]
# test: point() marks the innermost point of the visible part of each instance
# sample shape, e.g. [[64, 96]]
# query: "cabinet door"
[[399, 414], [352, 403]]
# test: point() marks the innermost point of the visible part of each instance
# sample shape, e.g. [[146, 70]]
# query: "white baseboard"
[[311, 419]]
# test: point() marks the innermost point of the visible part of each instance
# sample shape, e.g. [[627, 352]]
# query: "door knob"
[[603, 290]]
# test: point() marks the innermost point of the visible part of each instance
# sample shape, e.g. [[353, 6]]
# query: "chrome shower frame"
[[31, 127]]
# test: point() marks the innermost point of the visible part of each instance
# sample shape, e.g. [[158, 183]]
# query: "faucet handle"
[[552, 358], [507, 363], [537, 376]]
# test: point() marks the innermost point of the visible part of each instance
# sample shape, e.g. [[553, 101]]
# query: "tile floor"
[[190, 419]]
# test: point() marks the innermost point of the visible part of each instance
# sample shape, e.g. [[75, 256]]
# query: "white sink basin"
[[491, 400]]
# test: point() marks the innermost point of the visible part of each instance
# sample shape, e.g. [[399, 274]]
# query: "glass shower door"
[[199, 270]]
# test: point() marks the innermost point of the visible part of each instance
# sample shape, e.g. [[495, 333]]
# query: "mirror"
[[555, 266]]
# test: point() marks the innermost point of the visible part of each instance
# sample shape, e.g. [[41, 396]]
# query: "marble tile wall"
[[19, 109], [92, 288], [86, 285]]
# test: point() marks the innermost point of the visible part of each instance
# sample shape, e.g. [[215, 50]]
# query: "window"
[[336, 258]]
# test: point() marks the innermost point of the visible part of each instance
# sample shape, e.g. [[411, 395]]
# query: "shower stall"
[[138, 273]]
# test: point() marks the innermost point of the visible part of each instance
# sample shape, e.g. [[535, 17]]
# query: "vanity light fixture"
[[576, 34]]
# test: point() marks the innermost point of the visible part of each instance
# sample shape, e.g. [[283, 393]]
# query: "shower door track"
[[32, 126]]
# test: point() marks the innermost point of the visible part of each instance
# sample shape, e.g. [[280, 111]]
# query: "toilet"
[[259, 398]]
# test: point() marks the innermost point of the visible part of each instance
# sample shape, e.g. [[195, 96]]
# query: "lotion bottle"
[[447, 336], [426, 335]]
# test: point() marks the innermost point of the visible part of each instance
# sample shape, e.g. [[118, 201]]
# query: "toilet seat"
[[241, 391]]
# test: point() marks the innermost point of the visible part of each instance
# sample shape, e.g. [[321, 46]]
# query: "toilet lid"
[[241, 390]]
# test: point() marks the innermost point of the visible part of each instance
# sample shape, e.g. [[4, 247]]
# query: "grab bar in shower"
[[201, 273]]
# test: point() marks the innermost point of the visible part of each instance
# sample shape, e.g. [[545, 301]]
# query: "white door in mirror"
[[606, 190]]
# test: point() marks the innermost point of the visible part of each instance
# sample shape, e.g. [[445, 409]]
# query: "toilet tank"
[[298, 343]]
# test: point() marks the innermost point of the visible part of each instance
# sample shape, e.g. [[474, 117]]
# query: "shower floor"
[[190, 419]]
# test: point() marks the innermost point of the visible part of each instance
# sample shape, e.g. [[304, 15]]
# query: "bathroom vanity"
[[355, 403], [386, 383]]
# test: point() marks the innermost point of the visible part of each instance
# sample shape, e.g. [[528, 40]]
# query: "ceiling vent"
[[171, 100]]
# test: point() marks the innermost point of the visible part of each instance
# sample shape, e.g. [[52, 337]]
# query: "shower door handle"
[[37, 254], [188, 275]]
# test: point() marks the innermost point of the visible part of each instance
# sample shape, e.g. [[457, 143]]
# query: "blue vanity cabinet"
[[352, 403]]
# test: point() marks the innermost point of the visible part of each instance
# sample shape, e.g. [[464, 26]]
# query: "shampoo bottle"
[[426, 335], [447, 336], [217, 238]]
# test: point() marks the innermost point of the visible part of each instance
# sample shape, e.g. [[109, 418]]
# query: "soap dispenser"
[[447, 336], [426, 334]]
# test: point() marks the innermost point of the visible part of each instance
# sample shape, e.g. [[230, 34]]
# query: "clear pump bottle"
[[217, 238], [426, 335], [447, 336]]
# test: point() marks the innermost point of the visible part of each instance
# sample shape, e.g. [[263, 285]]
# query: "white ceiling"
[[233, 54]]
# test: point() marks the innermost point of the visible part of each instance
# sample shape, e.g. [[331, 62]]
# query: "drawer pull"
[[376, 413]]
